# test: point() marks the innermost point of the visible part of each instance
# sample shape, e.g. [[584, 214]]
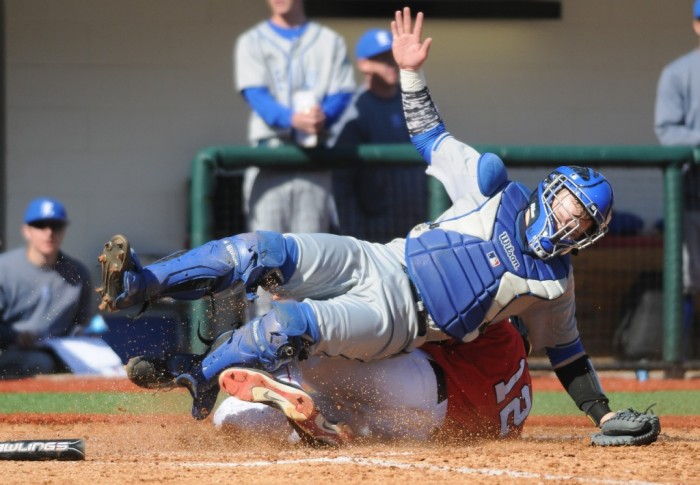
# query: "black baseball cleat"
[[115, 260], [257, 386]]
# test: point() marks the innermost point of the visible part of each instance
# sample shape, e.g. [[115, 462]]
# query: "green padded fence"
[[670, 160]]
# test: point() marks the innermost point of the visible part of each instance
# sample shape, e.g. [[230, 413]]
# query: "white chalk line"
[[348, 460]]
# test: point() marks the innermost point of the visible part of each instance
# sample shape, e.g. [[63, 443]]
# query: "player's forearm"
[[580, 380], [677, 135], [421, 114], [422, 118], [268, 108], [334, 105], [672, 111]]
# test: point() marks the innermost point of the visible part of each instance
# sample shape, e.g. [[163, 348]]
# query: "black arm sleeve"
[[420, 111], [580, 380]]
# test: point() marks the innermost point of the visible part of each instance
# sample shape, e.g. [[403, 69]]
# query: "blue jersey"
[[371, 119]]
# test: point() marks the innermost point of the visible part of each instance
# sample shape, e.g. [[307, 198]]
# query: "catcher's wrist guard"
[[628, 428]]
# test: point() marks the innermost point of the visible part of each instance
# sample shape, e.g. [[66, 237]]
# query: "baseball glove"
[[628, 428]]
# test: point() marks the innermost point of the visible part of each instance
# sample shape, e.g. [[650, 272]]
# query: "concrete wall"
[[109, 100]]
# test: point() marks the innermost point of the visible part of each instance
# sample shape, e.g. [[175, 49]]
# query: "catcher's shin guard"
[[266, 342], [238, 262], [257, 386]]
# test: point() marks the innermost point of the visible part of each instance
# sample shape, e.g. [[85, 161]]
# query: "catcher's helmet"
[[546, 235]]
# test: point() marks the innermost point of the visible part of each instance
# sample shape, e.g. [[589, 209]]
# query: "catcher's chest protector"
[[470, 268]]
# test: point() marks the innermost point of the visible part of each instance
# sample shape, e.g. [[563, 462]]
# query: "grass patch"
[[545, 403], [96, 403], [680, 403]]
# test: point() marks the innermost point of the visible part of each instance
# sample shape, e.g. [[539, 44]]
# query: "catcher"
[[500, 250]]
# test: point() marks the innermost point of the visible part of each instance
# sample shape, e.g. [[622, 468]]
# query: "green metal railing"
[[210, 160]]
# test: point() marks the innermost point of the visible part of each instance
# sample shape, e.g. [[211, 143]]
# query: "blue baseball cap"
[[45, 209], [374, 42], [696, 9]]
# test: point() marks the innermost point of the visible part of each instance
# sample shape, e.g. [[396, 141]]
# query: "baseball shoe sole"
[[114, 260], [257, 386]]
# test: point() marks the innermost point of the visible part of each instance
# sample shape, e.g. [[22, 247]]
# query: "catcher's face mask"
[[570, 209]]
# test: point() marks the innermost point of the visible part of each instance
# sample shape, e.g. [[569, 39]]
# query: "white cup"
[[301, 101]]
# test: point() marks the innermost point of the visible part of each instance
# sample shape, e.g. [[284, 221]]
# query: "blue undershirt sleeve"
[[267, 107], [333, 106], [423, 121], [424, 141], [562, 353]]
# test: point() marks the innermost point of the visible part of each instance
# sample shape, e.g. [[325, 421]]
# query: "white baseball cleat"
[[258, 386]]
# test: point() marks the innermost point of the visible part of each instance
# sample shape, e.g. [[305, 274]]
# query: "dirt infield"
[[175, 449]]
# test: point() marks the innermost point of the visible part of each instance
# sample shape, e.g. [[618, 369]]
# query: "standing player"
[[500, 250], [677, 123], [297, 79], [296, 76]]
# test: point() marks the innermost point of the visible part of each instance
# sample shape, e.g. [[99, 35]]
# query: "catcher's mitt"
[[628, 428]]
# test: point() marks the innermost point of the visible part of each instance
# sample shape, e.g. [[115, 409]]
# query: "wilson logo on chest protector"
[[509, 249]]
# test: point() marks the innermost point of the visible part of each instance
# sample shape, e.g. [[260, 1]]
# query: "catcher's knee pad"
[[266, 342], [233, 262]]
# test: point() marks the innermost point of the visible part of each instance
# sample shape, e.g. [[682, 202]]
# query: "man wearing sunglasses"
[[43, 293]]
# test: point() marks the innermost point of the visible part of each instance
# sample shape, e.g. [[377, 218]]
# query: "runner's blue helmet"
[[546, 235]]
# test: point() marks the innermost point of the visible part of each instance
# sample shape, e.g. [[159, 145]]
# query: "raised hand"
[[409, 52]]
